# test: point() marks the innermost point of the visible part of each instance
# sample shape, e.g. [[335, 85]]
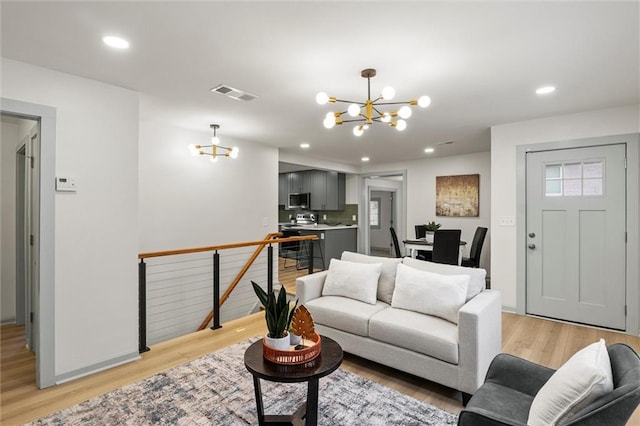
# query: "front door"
[[576, 235]]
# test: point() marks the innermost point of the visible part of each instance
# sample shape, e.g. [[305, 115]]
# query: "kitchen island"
[[332, 241]]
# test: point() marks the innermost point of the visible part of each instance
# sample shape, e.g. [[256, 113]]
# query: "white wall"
[[504, 140], [96, 235], [421, 194], [189, 202], [9, 141]]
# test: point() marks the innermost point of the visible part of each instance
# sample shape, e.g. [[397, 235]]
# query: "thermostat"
[[66, 184]]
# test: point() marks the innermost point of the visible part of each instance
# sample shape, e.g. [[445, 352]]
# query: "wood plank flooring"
[[546, 342]]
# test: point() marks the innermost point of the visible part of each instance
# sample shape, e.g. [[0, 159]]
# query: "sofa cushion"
[[343, 313], [387, 280], [585, 377], [430, 293], [477, 276], [357, 281], [416, 332]]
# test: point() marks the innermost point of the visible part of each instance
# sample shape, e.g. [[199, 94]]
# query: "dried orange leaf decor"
[[302, 323]]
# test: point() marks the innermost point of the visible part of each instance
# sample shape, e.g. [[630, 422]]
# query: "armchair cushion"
[[585, 377]]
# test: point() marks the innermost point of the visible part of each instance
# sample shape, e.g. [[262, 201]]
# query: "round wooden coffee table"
[[326, 363]]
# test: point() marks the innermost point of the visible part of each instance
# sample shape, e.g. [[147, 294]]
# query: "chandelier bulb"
[[388, 93], [354, 110], [401, 125], [234, 152], [215, 140], [329, 122], [405, 112], [322, 98], [424, 101], [214, 158], [194, 149], [386, 117], [358, 130]]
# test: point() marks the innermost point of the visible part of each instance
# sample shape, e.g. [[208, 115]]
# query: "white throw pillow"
[[476, 283], [585, 377], [387, 280], [357, 281], [430, 293]]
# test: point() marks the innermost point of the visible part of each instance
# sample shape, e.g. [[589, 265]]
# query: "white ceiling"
[[480, 62]]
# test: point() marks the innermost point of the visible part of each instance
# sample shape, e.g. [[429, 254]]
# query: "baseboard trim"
[[510, 309], [95, 368]]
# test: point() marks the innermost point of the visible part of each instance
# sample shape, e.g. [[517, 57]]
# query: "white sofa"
[[454, 355]]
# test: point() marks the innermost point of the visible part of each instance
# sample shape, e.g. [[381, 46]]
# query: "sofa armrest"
[[518, 374], [479, 338], [309, 287]]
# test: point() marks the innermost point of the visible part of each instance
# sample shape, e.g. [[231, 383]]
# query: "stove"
[[306, 218]]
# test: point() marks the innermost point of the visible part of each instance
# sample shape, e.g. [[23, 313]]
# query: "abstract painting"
[[458, 195]]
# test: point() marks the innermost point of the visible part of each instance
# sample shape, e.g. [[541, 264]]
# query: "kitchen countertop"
[[319, 227]]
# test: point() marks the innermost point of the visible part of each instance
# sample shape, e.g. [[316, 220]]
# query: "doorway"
[[381, 218], [576, 234], [37, 231]]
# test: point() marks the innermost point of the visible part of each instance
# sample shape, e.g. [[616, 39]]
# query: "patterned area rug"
[[218, 390]]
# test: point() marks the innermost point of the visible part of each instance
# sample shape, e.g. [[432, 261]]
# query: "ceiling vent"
[[238, 95]]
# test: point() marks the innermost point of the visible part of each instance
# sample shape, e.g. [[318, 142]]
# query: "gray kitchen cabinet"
[[283, 189], [299, 182], [331, 243], [335, 191], [318, 189]]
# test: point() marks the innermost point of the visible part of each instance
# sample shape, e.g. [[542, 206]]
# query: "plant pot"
[[280, 343], [294, 339], [428, 236]]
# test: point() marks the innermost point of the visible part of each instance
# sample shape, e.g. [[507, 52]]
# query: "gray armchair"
[[512, 383]]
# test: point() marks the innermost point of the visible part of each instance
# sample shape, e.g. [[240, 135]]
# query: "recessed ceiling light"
[[365, 159], [115, 42], [304, 145], [545, 90], [429, 150]]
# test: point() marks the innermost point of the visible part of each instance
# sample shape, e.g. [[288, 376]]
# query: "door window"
[[583, 179]]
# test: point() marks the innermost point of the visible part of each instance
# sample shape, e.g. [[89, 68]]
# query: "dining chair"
[[446, 246], [421, 232], [396, 245], [473, 260], [291, 246]]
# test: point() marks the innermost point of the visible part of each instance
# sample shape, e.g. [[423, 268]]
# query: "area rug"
[[218, 390]]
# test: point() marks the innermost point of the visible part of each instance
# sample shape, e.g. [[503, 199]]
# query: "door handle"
[[531, 246]]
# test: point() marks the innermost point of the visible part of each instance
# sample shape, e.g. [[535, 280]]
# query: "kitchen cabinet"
[[327, 188], [283, 189], [331, 243]]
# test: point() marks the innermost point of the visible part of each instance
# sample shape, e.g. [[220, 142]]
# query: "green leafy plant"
[[432, 226], [278, 312]]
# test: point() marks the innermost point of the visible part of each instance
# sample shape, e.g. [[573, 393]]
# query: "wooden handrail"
[[268, 240]]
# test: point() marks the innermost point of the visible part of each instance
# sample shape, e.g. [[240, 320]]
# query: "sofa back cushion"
[[430, 293], [357, 281], [387, 280], [477, 275]]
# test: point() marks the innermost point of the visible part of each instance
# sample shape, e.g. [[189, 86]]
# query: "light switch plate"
[[66, 184], [507, 221]]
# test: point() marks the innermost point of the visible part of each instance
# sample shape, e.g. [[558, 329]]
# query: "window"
[[374, 213], [584, 179]]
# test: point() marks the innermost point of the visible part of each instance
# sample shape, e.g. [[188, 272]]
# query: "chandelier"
[[369, 111], [214, 150]]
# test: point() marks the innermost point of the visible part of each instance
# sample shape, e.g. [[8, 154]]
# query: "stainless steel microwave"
[[299, 200]]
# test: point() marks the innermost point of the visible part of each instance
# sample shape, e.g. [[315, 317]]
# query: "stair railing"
[[271, 238]]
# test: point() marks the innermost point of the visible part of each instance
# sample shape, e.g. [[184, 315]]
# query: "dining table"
[[412, 247]]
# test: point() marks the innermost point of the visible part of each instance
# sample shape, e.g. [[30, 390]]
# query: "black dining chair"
[[473, 260], [396, 245], [446, 246], [421, 232], [291, 247]]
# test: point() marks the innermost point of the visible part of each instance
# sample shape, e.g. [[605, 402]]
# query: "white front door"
[[576, 235]]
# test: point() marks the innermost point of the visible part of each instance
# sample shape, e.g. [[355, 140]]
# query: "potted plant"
[[431, 227], [278, 315]]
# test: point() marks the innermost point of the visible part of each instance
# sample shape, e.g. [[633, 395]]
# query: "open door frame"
[[45, 334]]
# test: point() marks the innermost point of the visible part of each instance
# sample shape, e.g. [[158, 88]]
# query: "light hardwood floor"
[[546, 342]]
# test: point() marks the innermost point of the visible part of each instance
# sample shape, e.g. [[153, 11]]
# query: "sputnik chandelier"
[[367, 112], [214, 150]]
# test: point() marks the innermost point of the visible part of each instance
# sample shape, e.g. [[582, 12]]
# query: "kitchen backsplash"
[[343, 217]]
